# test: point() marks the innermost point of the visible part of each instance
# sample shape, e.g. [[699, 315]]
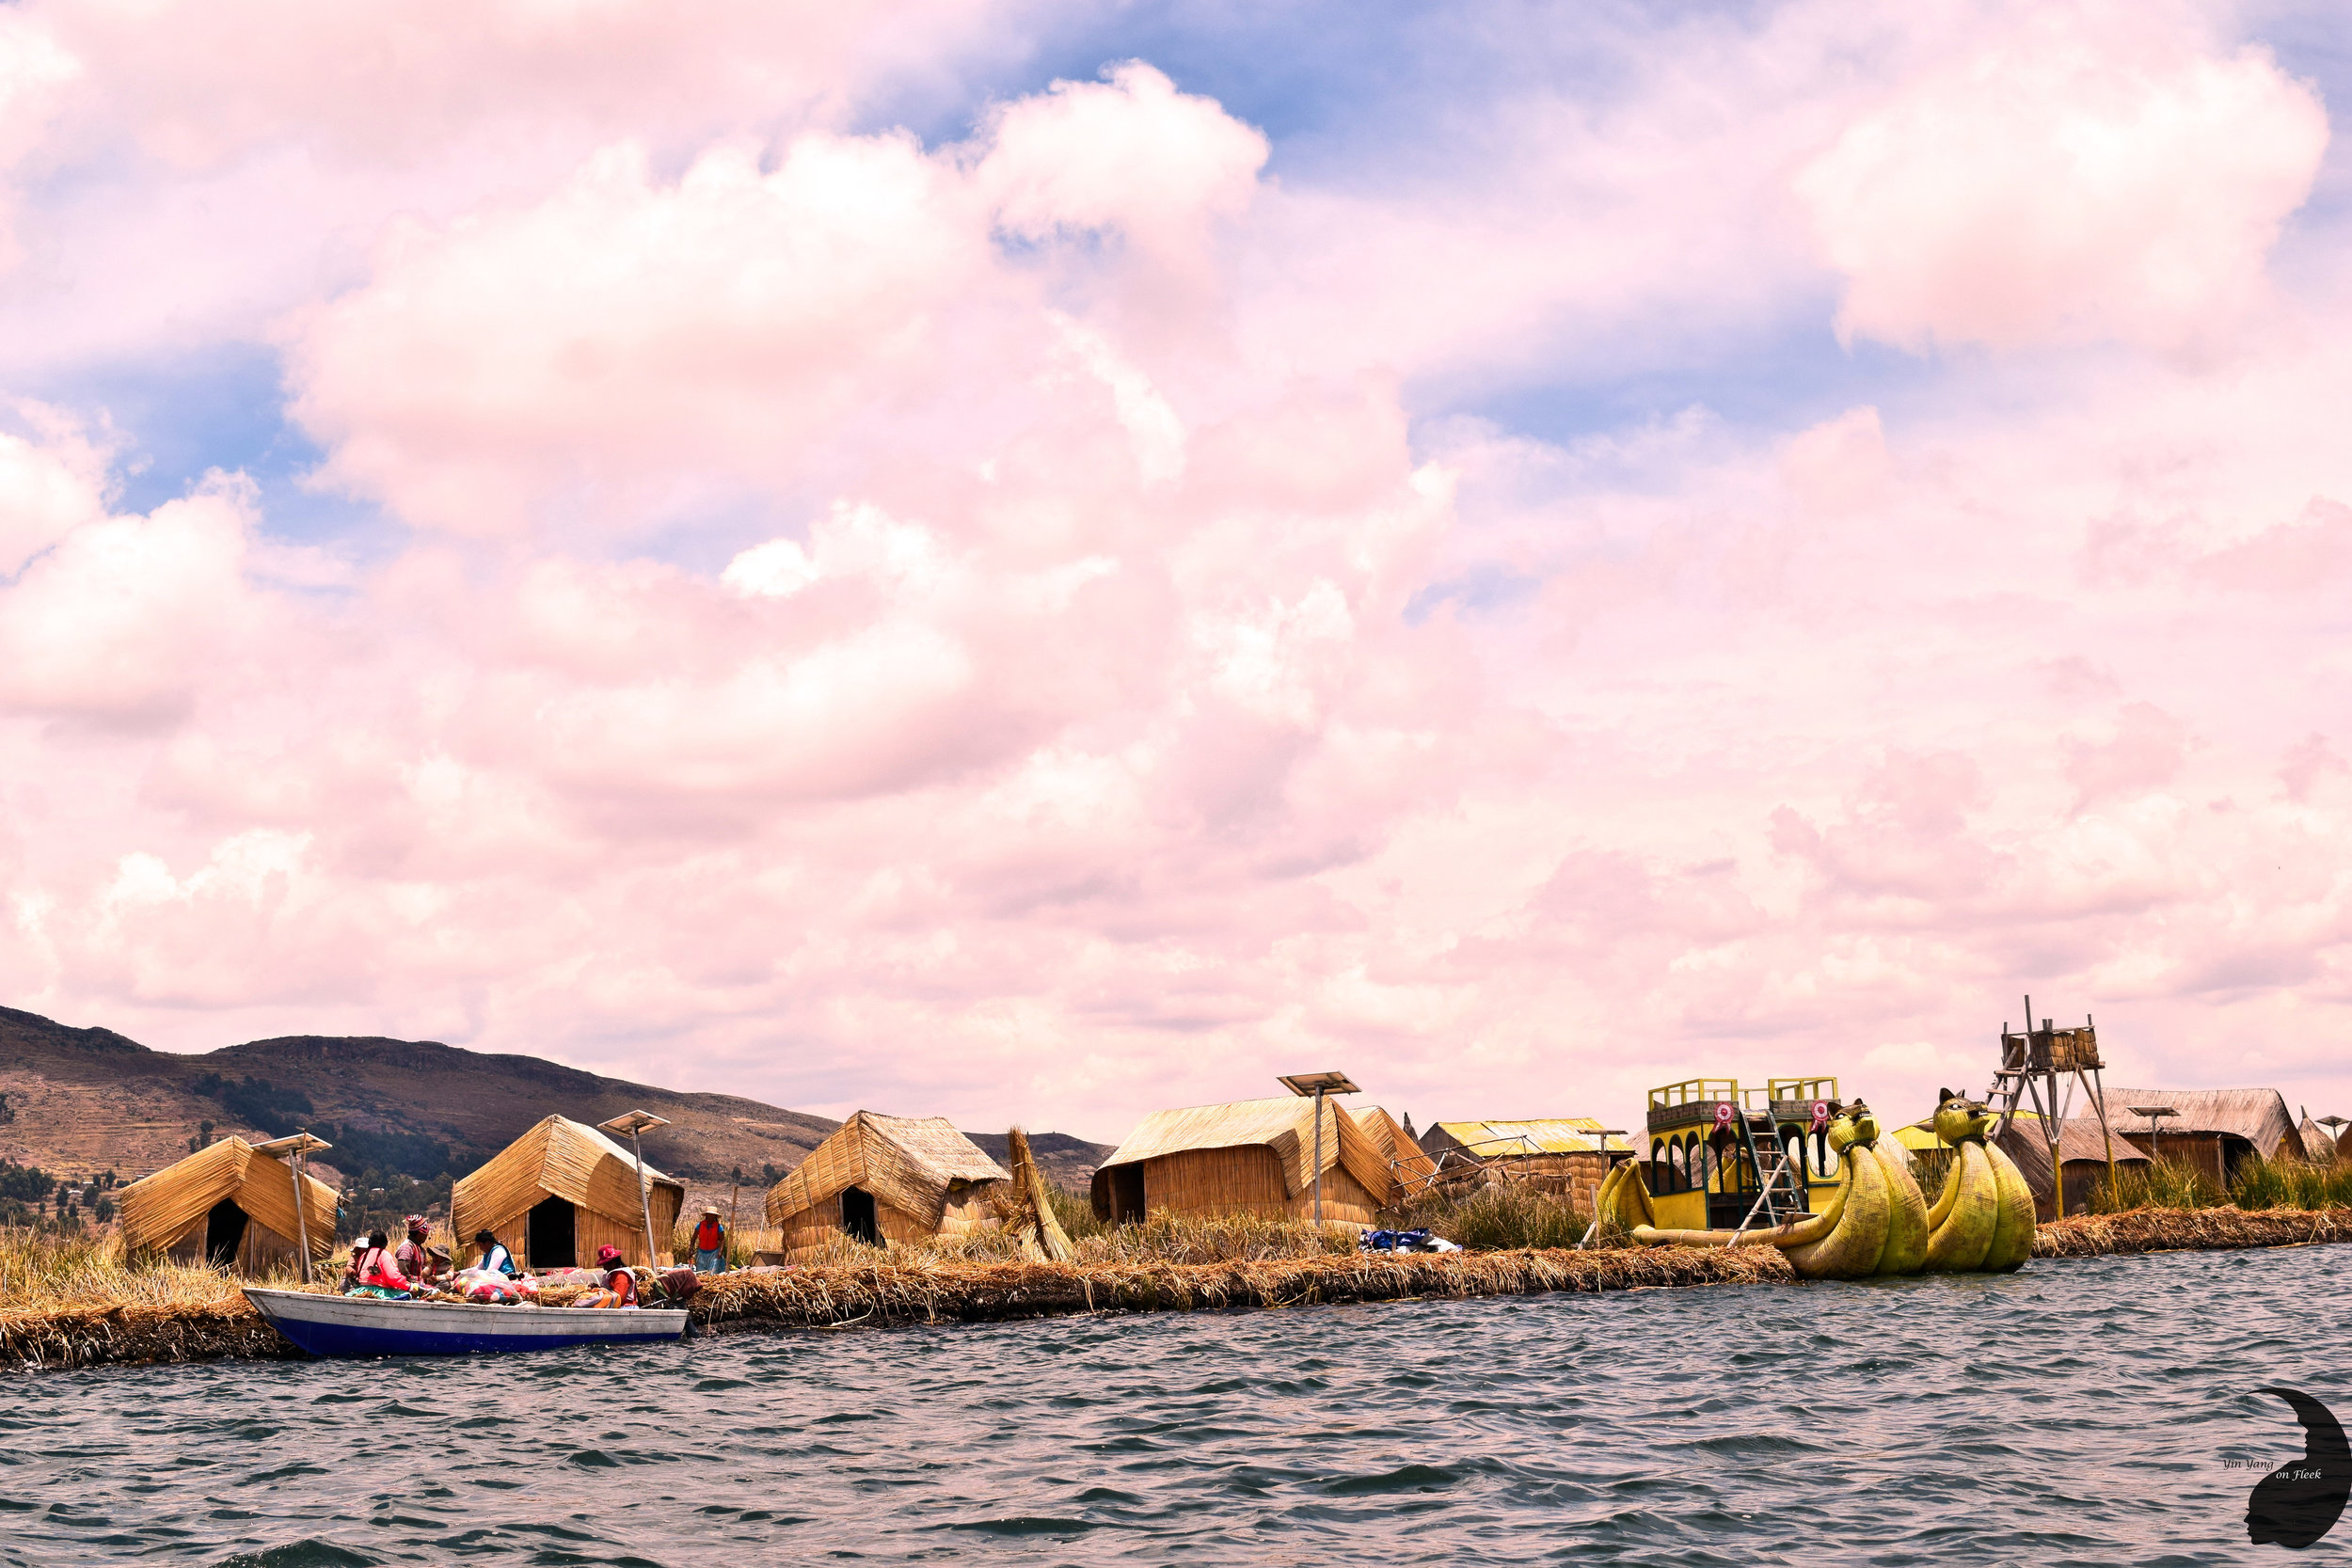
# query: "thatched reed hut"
[[2320, 1145], [1250, 1157], [2082, 1159], [560, 1191], [886, 1179], [1553, 1154], [2212, 1129], [228, 1204], [1407, 1163]]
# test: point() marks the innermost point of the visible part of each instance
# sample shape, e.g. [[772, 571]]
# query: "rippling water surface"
[[2078, 1413]]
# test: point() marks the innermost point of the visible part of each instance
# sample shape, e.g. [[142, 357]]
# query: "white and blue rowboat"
[[369, 1325]]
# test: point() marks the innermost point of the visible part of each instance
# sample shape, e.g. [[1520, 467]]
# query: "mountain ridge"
[[77, 1101]]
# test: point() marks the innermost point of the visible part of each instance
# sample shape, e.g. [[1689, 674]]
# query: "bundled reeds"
[[890, 1292], [2189, 1230]]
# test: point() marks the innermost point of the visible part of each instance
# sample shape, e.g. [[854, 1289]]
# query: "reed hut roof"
[[909, 1163], [557, 1158], [158, 1210], [2258, 1116], [1397, 1143], [1286, 1126], [2319, 1145], [1539, 1136]]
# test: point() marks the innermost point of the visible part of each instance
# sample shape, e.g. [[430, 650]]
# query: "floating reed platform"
[[138, 1335], [996, 1292], [2189, 1230], [878, 1294]]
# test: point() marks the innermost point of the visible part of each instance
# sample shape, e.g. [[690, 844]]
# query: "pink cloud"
[[985, 628], [2088, 171]]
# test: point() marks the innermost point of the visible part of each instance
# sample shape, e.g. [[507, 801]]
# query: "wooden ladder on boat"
[[1779, 1194]]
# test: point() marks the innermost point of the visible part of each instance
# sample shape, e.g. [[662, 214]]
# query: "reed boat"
[[368, 1325]]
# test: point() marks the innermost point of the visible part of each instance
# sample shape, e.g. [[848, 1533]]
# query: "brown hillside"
[[77, 1101]]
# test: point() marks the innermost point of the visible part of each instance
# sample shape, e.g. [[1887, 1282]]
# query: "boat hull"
[[366, 1325]]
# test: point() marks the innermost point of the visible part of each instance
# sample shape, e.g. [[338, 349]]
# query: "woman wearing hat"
[[620, 1286], [710, 1244]]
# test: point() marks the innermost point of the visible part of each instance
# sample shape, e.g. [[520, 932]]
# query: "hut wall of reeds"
[[568, 1189], [1250, 1157], [228, 1204], [1551, 1154], [886, 1179]]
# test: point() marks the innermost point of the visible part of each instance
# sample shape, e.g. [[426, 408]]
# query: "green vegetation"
[[1498, 1218], [379, 1201], [2291, 1184], [2256, 1184]]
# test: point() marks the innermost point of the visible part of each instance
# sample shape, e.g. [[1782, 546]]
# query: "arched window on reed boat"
[[1824, 1157], [1731, 1171]]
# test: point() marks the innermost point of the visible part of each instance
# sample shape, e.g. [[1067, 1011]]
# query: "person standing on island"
[[711, 1244]]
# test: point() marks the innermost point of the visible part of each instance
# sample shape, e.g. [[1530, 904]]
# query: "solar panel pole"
[[645, 1199], [302, 1224], [633, 1123], [1318, 1157]]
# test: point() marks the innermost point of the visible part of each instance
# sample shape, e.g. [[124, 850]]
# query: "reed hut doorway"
[[549, 1245], [224, 1233], [1127, 1193], [857, 1216]]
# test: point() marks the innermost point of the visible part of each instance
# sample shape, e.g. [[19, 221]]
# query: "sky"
[[1034, 563]]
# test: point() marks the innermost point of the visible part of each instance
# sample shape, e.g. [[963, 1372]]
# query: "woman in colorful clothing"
[[373, 1272], [620, 1286]]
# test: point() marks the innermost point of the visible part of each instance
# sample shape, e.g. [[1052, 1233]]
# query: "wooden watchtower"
[[2040, 1070]]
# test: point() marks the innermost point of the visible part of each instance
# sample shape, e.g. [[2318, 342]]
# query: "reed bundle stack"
[[2189, 1230], [1250, 1157], [886, 1179], [560, 1191], [1030, 1214], [230, 1205]]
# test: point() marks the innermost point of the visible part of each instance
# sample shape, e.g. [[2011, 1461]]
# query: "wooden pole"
[[644, 1201], [1318, 1157], [735, 1201]]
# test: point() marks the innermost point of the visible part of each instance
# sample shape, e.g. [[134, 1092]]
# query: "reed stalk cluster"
[[2257, 1185]]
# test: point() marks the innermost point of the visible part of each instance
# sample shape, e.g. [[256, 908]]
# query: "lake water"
[[2081, 1412]]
